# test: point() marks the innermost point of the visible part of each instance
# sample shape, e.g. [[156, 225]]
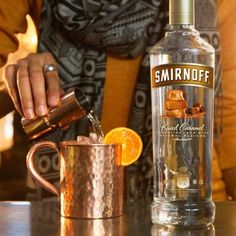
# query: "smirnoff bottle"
[[182, 72]]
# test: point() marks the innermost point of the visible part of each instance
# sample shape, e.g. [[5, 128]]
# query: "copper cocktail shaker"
[[74, 105]]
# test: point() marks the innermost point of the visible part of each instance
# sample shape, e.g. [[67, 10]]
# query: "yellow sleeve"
[[227, 23], [12, 21]]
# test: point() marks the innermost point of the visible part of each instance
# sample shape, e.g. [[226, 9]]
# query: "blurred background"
[[13, 142]]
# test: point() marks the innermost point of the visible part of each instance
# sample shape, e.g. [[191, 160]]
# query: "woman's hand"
[[31, 89]]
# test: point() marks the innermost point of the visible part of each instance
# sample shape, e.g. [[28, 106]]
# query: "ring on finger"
[[49, 68]]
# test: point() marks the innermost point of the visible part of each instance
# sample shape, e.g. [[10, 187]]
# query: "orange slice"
[[131, 143]]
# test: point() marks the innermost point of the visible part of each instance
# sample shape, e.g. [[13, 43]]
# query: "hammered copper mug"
[[91, 178]]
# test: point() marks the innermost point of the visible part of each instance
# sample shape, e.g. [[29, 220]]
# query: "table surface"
[[42, 219]]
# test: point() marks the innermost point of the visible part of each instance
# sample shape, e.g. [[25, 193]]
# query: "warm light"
[[34, 40], [6, 132], [27, 44], [29, 40]]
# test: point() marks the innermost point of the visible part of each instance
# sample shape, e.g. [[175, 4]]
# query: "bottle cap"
[[181, 12]]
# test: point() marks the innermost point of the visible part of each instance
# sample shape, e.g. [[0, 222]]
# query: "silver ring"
[[49, 68]]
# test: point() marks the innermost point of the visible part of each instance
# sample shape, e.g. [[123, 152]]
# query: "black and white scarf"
[[80, 34]]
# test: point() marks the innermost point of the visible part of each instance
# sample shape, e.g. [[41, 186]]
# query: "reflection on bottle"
[[158, 230], [183, 178], [90, 227]]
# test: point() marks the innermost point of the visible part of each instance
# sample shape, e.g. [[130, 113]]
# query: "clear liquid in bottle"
[[182, 71]]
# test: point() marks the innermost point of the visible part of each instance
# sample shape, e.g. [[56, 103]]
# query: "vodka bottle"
[[182, 72]]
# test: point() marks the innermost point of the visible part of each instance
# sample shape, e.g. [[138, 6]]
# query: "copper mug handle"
[[30, 165]]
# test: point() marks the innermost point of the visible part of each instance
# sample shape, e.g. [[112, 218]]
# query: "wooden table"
[[42, 219]]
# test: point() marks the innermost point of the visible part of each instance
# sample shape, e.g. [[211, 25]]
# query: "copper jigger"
[[74, 105]]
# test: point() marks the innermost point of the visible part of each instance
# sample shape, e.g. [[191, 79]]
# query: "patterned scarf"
[[80, 34]]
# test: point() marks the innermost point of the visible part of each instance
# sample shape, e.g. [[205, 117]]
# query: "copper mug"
[[91, 178]]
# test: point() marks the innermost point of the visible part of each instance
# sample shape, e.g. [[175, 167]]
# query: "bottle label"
[[182, 74], [182, 115]]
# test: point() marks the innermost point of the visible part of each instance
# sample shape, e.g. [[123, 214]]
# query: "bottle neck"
[[182, 12], [186, 27], [182, 29]]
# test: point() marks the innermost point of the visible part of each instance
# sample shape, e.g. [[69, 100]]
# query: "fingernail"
[[41, 111], [29, 114], [54, 101]]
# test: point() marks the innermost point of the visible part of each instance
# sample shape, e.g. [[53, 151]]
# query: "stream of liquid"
[[96, 125]]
